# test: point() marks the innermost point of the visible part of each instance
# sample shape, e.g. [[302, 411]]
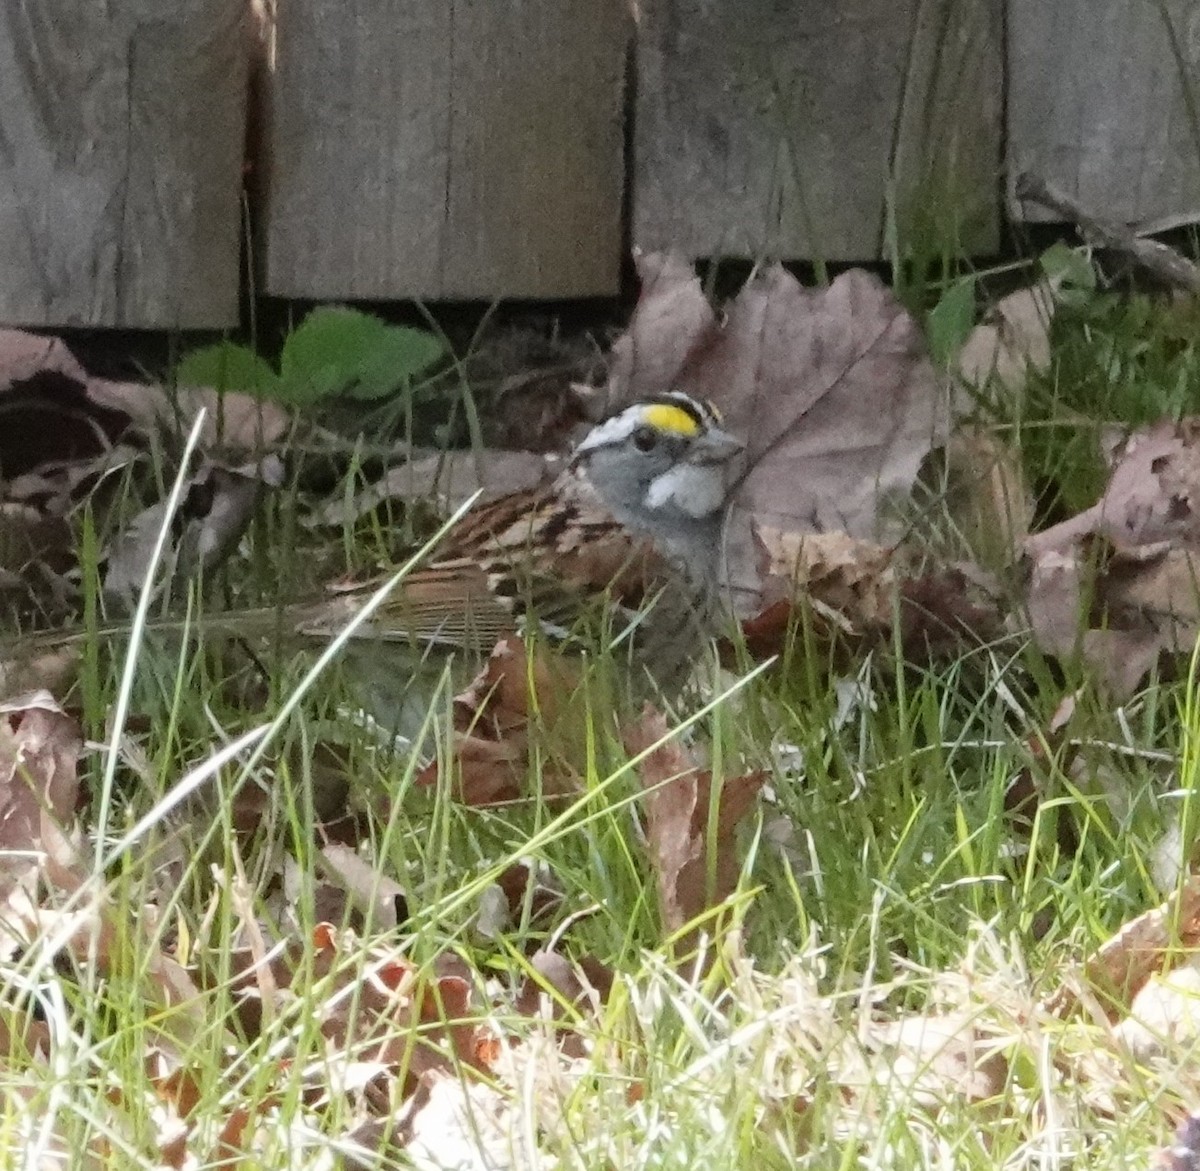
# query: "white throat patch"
[[697, 489]]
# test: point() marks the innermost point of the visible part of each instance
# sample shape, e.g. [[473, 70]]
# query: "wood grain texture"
[[121, 135], [458, 148], [1103, 101], [810, 129]]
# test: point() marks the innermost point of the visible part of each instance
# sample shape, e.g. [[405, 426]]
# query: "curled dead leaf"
[[39, 751], [1119, 584], [381, 901], [58, 412], [690, 838], [852, 594], [563, 992], [519, 689], [1153, 942], [986, 497], [1012, 340], [851, 579], [1152, 495], [1120, 609], [215, 511]]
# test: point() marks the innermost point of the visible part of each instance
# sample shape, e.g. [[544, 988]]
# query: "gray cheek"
[[706, 499]]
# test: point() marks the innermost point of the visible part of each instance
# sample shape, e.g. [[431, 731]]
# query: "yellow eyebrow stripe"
[[672, 420]]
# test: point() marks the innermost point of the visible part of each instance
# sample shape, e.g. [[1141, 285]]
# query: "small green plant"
[[950, 321], [335, 352]]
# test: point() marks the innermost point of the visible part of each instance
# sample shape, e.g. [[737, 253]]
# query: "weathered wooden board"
[[446, 148], [121, 133], [817, 129], [1104, 103]]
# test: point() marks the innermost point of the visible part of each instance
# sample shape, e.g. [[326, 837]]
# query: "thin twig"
[[1157, 258]]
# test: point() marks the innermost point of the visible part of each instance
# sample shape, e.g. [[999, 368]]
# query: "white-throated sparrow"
[[626, 543], [629, 534]]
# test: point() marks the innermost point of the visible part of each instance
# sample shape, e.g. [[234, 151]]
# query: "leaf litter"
[[691, 824], [843, 406], [1117, 583]]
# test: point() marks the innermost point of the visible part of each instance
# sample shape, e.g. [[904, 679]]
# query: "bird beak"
[[715, 446]]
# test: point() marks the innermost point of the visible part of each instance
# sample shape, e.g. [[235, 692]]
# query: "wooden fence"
[[516, 148]]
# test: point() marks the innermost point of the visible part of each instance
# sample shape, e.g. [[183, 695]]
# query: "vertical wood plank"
[[121, 134], [1104, 98], [536, 152], [816, 130], [358, 154], [464, 148]]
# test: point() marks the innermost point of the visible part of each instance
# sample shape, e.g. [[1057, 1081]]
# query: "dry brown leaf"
[[56, 486], [55, 411], [562, 992], [382, 901], [1164, 1018], [1118, 584], [587, 981], [1153, 493], [1012, 339], [217, 507], [853, 593], [941, 1058], [51, 670], [493, 717], [230, 1149], [832, 389], [529, 892], [39, 751], [672, 320], [491, 772], [1053, 598], [845, 588], [835, 393], [1154, 942], [451, 478], [419, 1021], [1148, 599], [234, 423], [947, 611], [1119, 609], [379, 1014], [694, 861], [986, 496], [24, 355], [852, 579]]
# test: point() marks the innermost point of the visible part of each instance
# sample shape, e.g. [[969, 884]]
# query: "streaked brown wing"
[[560, 540], [448, 603], [551, 553]]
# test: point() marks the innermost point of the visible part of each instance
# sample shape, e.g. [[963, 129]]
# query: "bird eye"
[[645, 439]]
